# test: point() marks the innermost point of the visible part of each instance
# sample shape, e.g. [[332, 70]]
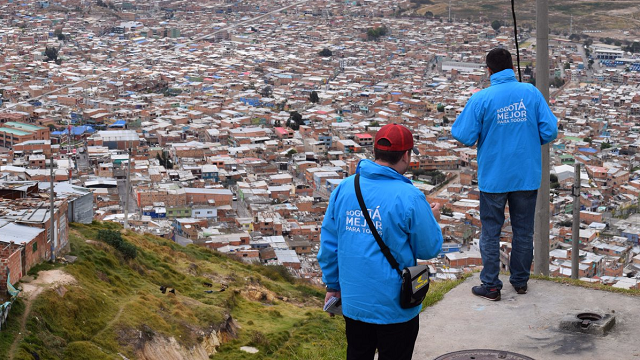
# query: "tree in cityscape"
[[51, 52], [313, 97], [295, 116], [325, 52], [437, 177], [495, 25], [574, 37], [58, 34], [267, 91], [440, 108], [164, 160], [605, 145], [557, 82], [633, 47], [587, 139], [446, 211], [376, 33], [295, 120]]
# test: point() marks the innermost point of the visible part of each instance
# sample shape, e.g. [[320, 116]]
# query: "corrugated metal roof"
[[19, 234]]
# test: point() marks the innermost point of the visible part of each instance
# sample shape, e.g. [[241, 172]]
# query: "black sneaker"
[[492, 294], [521, 289]]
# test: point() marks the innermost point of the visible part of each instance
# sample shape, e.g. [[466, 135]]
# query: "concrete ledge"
[[529, 324]]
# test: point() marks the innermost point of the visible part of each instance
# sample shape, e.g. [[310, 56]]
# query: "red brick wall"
[[10, 258]]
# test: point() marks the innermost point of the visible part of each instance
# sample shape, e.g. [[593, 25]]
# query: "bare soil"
[[45, 279]]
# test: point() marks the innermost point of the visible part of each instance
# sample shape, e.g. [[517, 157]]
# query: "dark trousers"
[[393, 341]]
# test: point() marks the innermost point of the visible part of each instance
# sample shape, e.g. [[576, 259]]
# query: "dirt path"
[[111, 322], [30, 291]]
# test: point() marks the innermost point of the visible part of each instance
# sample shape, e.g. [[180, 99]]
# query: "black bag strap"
[[383, 247]]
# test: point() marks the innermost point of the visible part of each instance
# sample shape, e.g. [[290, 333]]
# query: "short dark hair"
[[499, 59], [391, 157]]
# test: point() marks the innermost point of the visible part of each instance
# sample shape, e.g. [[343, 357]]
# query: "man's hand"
[[329, 295], [435, 209]]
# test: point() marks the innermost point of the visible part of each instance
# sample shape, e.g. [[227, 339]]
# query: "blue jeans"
[[522, 208]]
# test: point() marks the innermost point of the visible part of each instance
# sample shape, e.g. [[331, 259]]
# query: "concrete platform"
[[529, 324]]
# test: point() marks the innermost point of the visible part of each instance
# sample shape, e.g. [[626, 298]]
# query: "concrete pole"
[[575, 228], [52, 225], [126, 199], [541, 235]]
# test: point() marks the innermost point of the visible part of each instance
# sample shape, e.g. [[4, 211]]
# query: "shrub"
[[114, 238]]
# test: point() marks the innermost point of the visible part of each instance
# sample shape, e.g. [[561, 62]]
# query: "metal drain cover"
[[588, 322], [483, 354]]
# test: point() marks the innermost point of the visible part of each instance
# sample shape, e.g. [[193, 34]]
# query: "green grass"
[[437, 290], [12, 326], [116, 306], [115, 300], [596, 286]]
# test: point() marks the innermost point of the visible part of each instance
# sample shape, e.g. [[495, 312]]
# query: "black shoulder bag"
[[415, 279]]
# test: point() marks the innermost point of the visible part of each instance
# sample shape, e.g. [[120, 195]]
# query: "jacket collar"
[[503, 76], [372, 170]]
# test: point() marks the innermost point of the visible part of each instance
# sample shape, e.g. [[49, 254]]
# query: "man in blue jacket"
[[508, 121], [353, 266]]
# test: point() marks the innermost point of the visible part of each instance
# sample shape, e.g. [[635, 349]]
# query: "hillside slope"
[[113, 307], [608, 18]]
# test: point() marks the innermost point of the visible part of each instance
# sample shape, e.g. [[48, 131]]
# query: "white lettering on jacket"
[[355, 221], [513, 113]]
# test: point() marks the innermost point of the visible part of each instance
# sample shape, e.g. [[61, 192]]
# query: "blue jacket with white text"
[[349, 256], [509, 121]]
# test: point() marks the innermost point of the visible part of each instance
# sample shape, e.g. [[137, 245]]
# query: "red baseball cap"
[[399, 137]]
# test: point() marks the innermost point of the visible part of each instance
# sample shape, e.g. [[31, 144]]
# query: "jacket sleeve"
[[328, 253], [547, 122], [468, 125], [425, 234]]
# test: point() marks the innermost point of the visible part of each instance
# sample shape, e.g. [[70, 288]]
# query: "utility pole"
[[541, 235], [575, 228], [52, 225], [571, 25], [126, 199], [69, 152]]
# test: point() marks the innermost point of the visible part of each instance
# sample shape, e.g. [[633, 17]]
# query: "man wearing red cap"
[[353, 266]]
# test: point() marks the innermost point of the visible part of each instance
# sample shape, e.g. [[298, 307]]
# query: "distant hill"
[[108, 304], [612, 18]]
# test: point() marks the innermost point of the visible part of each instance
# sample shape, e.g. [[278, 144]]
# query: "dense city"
[[228, 124]]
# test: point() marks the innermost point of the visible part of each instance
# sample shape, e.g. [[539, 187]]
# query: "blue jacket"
[[509, 121], [349, 256]]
